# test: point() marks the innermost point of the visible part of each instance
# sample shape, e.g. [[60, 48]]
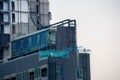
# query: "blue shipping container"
[[27, 44]]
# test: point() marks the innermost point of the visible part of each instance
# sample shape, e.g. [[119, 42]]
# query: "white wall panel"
[[21, 5], [24, 17], [5, 6], [6, 17], [7, 29], [24, 6]]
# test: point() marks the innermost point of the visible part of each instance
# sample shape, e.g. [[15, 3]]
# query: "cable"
[[39, 25]]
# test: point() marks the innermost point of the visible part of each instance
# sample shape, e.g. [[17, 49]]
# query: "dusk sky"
[[98, 28]]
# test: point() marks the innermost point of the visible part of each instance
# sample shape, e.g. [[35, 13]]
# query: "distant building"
[[34, 49]]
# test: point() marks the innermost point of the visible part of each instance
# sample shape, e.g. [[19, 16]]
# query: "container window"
[[30, 41], [22, 44], [38, 39]]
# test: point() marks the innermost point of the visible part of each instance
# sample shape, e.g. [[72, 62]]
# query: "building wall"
[[68, 66], [44, 12], [66, 37], [19, 17]]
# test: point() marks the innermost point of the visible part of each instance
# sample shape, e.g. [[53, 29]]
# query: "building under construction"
[[33, 49]]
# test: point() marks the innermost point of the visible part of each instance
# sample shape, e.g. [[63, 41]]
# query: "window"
[[22, 45], [13, 78], [13, 17], [13, 5], [59, 71], [79, 74], [24, 76], [1, 5], [37, 72], [30, 41], [36, 0], [44, 72], [38, 39], [1, 17], [13, 29], [31, 75], [1, 28], [1, 54], [58, 78], [37, 8]]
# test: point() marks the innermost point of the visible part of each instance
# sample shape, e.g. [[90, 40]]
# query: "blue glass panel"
[[29, 43], [54, 53]]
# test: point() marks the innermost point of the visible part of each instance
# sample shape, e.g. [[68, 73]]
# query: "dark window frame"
[[32, 75], [13, 5], [44, 72], [13, 29], [13, 17]]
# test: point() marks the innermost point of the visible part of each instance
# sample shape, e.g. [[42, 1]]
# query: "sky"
[[98, 29]]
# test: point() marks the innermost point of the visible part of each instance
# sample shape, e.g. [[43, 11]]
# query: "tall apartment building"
[[4, 27], [19, 18], [34, 49]]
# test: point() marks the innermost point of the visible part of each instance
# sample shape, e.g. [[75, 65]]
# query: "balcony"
[[4, 40]]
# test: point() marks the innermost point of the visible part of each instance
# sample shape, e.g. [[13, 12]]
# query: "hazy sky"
[[98, 28]]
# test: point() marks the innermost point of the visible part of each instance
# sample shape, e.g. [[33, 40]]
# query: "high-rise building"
[[34, 49], [19, 18]]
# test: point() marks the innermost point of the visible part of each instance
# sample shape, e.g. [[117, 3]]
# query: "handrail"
[[50, 26]]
